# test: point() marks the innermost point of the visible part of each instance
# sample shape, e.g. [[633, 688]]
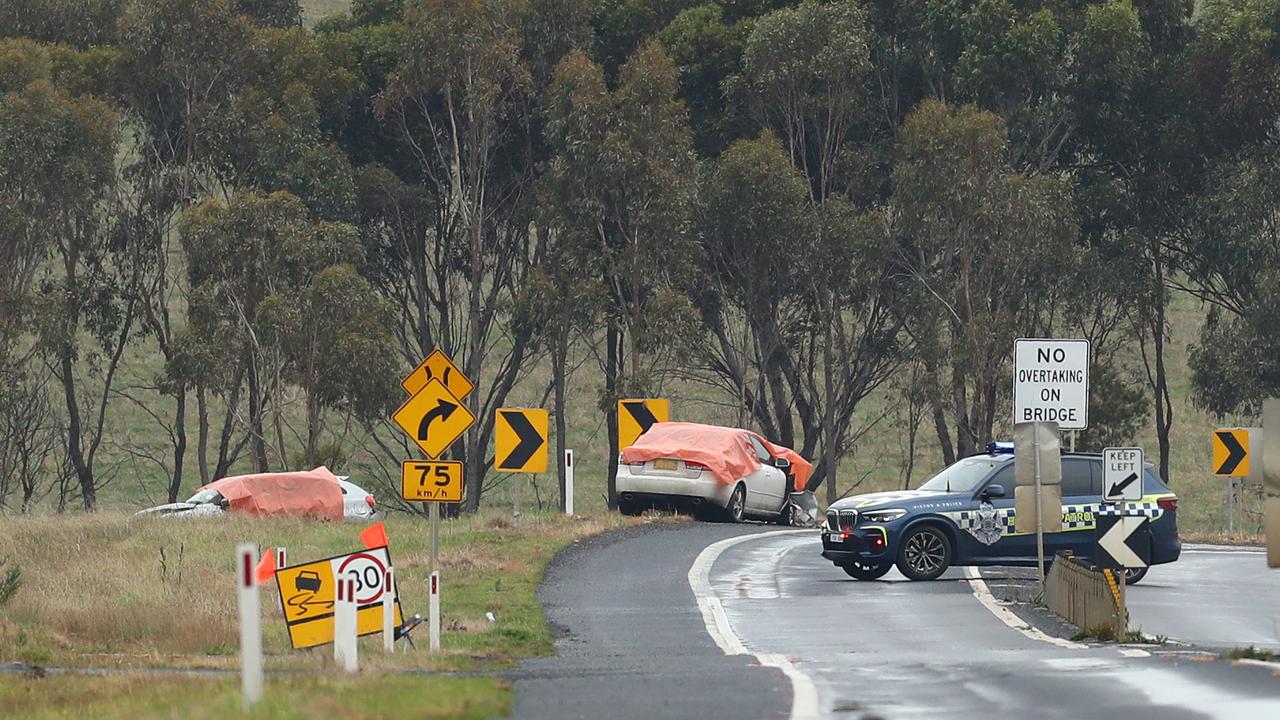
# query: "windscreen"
[[962, 476]]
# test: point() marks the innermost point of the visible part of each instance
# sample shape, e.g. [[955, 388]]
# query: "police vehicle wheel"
[[925, 553], [1132, 576], [866, 571], [737, 505]]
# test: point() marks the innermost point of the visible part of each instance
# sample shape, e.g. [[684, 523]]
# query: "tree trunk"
[[179, 445], [313, 430], [259, 440], [1164, 404], [612, 361], [202, 434], [829, 432]]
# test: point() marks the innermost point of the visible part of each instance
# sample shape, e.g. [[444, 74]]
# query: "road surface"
[[1214, 596], [742, 622]]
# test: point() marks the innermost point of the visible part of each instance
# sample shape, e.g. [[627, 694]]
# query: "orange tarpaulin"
[[313, 493], [726, 452]]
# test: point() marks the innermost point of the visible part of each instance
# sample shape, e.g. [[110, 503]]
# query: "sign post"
[[1271, 479], [1037, 469], [434, 418], [250, 607]]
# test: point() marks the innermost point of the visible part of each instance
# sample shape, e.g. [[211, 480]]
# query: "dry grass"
[[96, 592]]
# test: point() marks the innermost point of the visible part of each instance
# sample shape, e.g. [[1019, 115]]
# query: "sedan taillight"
[[694, 466], [369, 499]]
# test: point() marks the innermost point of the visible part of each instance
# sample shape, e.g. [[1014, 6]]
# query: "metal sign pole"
[[1039, 509]]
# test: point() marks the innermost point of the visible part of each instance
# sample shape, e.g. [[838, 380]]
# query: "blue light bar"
[[1000, 448]]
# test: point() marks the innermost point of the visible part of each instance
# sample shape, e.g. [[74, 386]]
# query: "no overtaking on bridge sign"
[[1051, 382]]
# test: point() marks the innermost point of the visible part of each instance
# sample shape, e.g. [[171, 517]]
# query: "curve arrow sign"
[[442, 411], [1235, 453], [531, 441]]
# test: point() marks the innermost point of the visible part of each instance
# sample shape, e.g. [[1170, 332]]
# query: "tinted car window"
[[962, 475], [760, 451], [1004, 477], [1077, 477]]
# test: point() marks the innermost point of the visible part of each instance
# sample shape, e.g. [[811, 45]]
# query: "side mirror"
[[782, 463], [993, 491]]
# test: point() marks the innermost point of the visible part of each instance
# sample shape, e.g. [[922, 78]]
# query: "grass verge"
[[1250, 653], [114, 591], [132, 696]]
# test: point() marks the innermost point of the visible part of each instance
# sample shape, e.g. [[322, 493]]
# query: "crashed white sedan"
[[314, 493]]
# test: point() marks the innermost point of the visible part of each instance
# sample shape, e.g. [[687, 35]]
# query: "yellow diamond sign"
[[438, 366], [433, 418]]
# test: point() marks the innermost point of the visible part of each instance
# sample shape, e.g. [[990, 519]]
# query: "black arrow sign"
[[643, 416], [1235, 453], [531, 441], [1118, 489], [442, 411]]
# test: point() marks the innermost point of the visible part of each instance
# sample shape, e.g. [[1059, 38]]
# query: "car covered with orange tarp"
[[710, 467], [314, 493]]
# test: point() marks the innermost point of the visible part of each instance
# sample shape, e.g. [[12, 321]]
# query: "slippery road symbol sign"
[[521, 440], [635, 417], [307, 595], [433, 418]]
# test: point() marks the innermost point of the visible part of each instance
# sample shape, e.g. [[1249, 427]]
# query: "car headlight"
[[883, 516]]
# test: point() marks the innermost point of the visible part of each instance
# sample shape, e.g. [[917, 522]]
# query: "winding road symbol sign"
[[635, 417], [1231, 452], [521, 440], [438, 366], [433, 418]]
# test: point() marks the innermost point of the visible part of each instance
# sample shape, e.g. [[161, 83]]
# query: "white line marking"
[[1134, 653], [804, 694], [1006, 616]]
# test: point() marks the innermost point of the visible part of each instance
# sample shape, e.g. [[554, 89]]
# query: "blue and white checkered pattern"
[[1074, 517]]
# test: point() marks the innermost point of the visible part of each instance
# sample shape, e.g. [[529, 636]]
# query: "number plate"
[[834, 537], [664, 465]]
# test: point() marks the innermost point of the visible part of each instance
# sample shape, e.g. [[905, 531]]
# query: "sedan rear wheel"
[[859, 570], [737, 505], [925, 553], [1132, 576]]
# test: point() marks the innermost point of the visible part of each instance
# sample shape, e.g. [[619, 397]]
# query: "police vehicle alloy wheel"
[[737, 505], [925, 553], [866, 571], [1133, 575]]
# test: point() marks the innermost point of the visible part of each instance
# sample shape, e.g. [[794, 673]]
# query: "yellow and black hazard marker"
[[636, 416], [520, 440], [439, 366], [1231, 452]]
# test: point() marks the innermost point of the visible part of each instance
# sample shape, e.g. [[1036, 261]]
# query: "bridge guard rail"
[[1087, 597]]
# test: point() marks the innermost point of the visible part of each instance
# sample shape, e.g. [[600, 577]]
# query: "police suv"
[[964, 515]]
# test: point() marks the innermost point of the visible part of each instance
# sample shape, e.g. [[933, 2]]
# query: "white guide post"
[[282, 560], [389, 611], [433, 612], [344, 627], [568, 482], [250, 624]]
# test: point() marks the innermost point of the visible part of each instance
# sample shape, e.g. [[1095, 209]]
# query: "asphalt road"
[[898, 649], [770, 630], [1213, 596], [631, 640]]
